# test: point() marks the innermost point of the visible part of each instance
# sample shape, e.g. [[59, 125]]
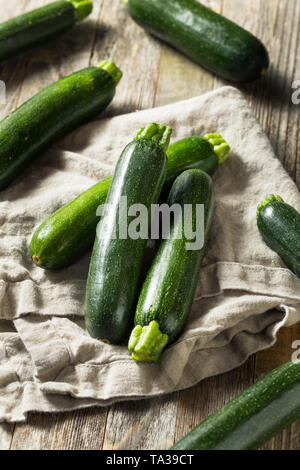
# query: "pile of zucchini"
[[116, 263]]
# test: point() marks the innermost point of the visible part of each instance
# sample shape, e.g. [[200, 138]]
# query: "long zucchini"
[[279, 225], [168, 291], [53, 112], [252, 418], [76, 222], [117, 258], [33, 28], [206, 37]]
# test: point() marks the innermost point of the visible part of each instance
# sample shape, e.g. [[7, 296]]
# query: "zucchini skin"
[[253, 417], [206, 37], [116, 263], [33, 28], [49, 115], [76, 222], [194, 152], [279, 225], [168, 291]]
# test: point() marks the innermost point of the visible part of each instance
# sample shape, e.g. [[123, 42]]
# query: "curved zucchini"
[[206, 37], [76, 222], [168, 291], [30, 29], [117, 258], [279, 225], [252, 418], [52, 113]]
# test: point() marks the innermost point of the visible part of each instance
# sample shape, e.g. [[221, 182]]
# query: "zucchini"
[[30, 29], [206, 37], [253, 417], [117, 259], [168, 291], [76, 222], [49, 115], [279, 225]]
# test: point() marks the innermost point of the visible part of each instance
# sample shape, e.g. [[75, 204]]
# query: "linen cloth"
[[244, 296]]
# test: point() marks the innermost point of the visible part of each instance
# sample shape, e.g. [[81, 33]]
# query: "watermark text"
[[161, 222]]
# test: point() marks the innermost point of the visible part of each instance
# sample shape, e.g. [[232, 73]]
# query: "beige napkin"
[[245, 293]]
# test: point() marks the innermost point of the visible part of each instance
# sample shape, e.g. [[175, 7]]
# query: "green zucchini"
[[76, 222], [279, 225], [252, 418], [30, 29], [53, 112], [117, 258], [168, 291], [206, 37]]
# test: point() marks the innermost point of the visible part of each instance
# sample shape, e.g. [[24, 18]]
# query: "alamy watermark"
[[296, 354], [135, 222], [296, 94], [2, 92]]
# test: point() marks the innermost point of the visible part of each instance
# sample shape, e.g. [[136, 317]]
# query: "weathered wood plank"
[[179, 77], [6, 433], [82, 429], [136, 53], [141, 425], [277, 24]]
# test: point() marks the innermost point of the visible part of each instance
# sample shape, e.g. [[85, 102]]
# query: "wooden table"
[[155, 75]]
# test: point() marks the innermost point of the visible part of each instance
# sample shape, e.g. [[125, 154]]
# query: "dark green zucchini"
[[279, 225], [117, 258], [206, 37], [76, 222], [168, 291], [33, 28], [53, 112], [252, 418]]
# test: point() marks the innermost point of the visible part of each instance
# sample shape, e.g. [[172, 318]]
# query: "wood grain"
[[141, 425], [82, 429], [279, 29], [136, 53], [155, 74]]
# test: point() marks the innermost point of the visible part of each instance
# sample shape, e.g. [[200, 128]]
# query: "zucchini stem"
[[270, 198], [158, 133], [83, 8], [37, 260], [112, 69], [221, 147], [146, 343]]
